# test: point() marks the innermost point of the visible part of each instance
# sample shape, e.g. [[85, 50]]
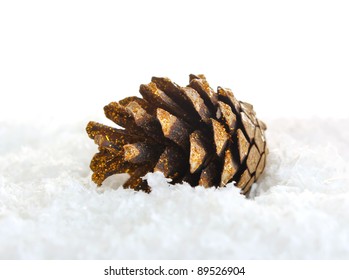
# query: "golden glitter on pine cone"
[[190, 134]]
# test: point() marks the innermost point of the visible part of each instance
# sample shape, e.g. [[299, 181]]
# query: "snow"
[[50, 209]]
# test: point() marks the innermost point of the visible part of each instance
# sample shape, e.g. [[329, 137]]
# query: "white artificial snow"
[[50, 209]]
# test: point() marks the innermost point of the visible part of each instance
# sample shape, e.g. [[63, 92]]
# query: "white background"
[[65, 60]]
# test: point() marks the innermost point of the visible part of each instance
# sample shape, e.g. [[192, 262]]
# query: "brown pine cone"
[[190, 134]]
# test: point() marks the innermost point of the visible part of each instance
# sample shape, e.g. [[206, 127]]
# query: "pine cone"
[[190, 134]]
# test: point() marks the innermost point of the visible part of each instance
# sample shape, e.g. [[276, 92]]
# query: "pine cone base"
[[190, 134]]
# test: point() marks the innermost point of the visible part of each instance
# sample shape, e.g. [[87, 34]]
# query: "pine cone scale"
[[170, 162], [209, 175], [173, 91], [118, 137], [227, 96], [220, 137], [252, 159], [173, 128], [228, 115], [229, 168], [140, 152], [197, 103], [209, 96], [198, 151], [243, 145], [187, 98], [119, 115], [249, 127], [154, 95], [244, 179], [145, 121], [259, 140]]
